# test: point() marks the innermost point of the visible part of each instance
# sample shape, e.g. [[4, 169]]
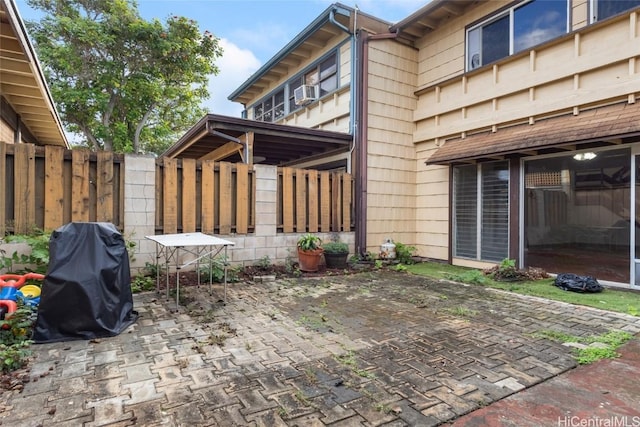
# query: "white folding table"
[[195, 247]]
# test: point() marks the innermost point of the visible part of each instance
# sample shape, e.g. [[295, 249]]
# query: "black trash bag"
[[86, 292], [575, 283]]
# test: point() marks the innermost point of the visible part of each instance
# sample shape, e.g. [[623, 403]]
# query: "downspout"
[[361, 137], [354, 59]]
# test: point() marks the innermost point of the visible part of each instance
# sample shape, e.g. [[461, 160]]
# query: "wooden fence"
[[46, 187]]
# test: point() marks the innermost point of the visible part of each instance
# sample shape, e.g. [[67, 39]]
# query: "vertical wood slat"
[[335, 202], [287, 200], [53, 191], [346, 202], [242, 202], [104, 186], [24, 188], [208, 197], [301, 201], [188, 195], [226, 199], [3, 186], [325, 202], [170, 196], [312, 195], [80, 185]]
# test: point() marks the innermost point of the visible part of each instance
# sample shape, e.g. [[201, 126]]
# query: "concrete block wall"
[[247, 249]]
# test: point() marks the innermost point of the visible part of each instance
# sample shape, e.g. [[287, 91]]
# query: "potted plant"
[[309, 252], [335, 254]]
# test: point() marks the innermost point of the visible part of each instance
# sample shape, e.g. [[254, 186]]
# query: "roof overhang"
[[430, 17], [22, 83], [612, 124], [334, 21], [297, 50], [225, 138]]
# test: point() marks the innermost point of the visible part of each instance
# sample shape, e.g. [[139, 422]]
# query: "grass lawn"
[[619, 300]]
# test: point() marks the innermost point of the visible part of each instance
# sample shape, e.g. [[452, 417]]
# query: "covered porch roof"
[[217, 137], [611, 124]]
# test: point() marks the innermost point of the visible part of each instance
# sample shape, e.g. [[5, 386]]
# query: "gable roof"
[[22, 83], [276, 144]]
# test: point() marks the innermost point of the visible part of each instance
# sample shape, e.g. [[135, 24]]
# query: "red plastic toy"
[[16, 280]]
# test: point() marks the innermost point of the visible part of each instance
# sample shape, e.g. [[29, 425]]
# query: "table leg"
[[225, 274], [157, 268], [210, 248], [177, 278]]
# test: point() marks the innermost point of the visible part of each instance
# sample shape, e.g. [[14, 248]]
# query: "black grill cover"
[[86, 292]]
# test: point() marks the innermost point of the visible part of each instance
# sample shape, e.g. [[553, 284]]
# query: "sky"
[[250, 31]]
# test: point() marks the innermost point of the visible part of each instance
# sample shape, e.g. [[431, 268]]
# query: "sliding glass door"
[[577, 214]]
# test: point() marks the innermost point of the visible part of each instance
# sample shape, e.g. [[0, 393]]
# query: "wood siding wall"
[[391, 171], [596, 65], [47, 187]]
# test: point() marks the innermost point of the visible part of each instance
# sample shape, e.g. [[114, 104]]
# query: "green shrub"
[[216, 270], [335, 248], [37, 260], [14, 356], [404, 253]]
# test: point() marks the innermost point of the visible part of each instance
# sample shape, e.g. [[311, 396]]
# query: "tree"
[[125, 84]]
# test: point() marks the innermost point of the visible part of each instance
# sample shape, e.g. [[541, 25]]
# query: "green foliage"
[[37, 261], [609, 342], [126, 84], [15, 331], [215, 270], [335, 248], [619, 300], [142, 284], [309, 242], [404, 253], [18, 326], [264, 263], [475, 277], [14, 356]]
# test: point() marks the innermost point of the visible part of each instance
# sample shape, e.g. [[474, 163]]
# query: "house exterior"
[[27, 111], [482, 130], [526, 132]]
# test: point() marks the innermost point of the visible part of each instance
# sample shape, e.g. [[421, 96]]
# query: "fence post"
[[140, 206]]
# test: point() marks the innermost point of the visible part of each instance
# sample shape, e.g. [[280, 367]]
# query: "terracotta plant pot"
[[309, 260]]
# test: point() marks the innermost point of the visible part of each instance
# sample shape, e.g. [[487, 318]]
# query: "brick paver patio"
[[376, 348]]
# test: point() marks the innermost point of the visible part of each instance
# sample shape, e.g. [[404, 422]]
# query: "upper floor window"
[[603, 9], [516, 29], [271, 108], [323, 76]]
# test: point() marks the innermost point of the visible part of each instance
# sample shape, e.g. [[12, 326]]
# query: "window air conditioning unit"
[[305, 94]]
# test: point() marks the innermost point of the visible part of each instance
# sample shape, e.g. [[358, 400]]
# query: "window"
[[271, 109], [481, 211], [516, 29], [324, 75], [603, 9]]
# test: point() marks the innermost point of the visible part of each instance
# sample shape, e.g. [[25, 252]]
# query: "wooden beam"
[[223, 152]]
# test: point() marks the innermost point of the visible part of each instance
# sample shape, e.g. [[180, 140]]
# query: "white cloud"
[[236, 65]]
